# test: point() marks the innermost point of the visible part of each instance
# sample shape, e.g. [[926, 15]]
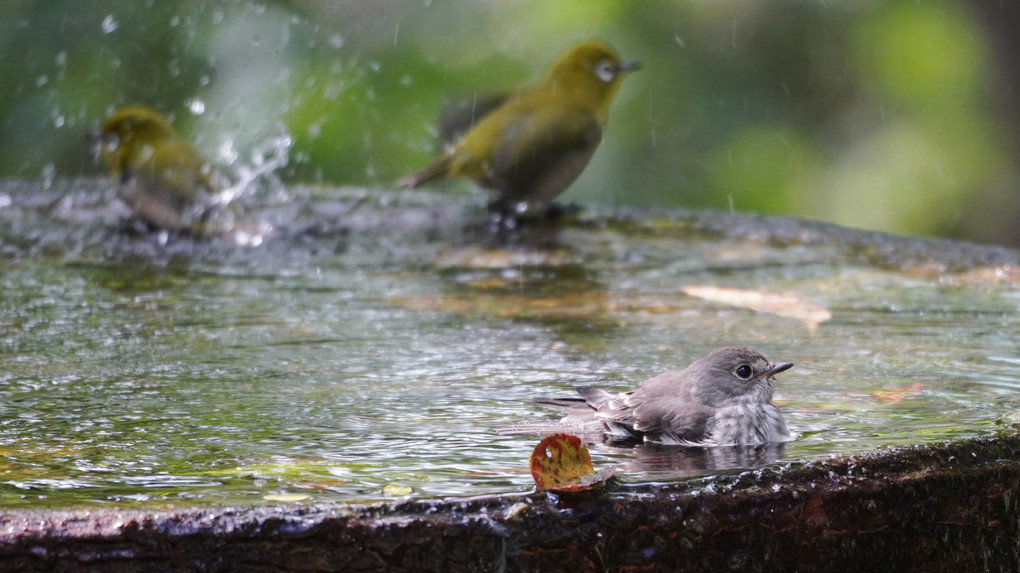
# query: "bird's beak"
[[630, 66], [776, 369]]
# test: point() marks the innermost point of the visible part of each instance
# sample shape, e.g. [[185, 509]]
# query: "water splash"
[[110, 24], [261, 165], [49, 172], [196, 106]]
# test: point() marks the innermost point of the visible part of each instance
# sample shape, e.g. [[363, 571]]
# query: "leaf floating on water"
[[591, 305], [1011, 419], [561, 462], [898, 394], [286, 497], [790, 306], [479, 258], [395, 490], [320, 485], [1008, 275]]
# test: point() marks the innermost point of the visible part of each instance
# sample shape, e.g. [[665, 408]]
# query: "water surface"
[[372, 348]]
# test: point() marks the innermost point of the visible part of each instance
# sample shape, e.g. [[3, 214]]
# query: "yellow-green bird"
[[530, 145], [158, 174]]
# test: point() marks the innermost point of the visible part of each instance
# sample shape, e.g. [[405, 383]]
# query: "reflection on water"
[[378, 356], [656, 462]]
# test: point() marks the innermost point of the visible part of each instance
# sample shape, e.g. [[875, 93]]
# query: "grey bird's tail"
[[579, 419], [591, 399]]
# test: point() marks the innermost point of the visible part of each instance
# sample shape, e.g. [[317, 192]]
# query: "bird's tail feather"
[[536, 429], [580, 418], [563, 404], [437, 169]]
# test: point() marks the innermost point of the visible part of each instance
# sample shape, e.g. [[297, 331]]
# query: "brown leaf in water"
[[790, 306], [991, 276], [561, 462], [479, 258], [897, 394], [591, 304], [1004, 275]]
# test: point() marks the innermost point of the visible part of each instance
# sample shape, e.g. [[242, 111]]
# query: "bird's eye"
[[605, 70], [743, 371]]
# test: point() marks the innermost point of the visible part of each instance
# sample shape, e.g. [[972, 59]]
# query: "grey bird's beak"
[[776, 369]]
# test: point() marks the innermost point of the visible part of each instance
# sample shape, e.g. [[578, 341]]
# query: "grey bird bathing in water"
[[723, 399]]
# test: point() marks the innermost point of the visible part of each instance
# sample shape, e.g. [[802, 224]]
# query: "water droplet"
[[109, 24], [217, 16], [58, 121], [175, 21], [41, 81], [62, 58], [405, 80], [196, 106], [203, 81], [227, 153], [49, 172], [333, 90], [336, 41]]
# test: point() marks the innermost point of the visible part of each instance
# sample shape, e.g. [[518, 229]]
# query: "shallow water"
[[373, 351]]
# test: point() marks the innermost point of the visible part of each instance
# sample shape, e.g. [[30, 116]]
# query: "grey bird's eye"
[[743, 371], [605, 70]]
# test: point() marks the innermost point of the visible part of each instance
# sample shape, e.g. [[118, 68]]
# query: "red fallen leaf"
[[560, 462], [897, 394]]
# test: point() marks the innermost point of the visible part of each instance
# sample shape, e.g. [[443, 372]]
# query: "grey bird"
[[723, 399]]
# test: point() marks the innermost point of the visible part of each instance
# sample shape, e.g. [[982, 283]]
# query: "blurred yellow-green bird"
[[530, 145], [158, 174]]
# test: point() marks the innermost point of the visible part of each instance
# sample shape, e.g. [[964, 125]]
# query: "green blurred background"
[[894, 115]]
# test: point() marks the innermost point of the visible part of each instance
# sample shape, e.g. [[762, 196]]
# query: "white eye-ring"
[[605, 70]]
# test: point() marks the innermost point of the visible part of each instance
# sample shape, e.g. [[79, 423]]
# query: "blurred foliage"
[[883, 114]]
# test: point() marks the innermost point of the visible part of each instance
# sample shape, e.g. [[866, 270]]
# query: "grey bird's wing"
[[672, 421], [646, 415], [639, 414], [665, 410]]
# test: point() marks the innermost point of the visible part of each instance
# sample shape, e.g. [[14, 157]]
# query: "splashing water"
[[261, 165]]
